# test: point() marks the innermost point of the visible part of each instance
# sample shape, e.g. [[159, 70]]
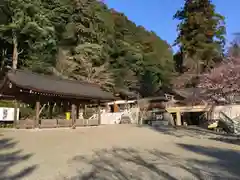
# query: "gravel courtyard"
[[120, 152]]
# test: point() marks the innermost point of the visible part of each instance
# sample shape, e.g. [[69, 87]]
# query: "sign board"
[[157, 116], [7, 114]]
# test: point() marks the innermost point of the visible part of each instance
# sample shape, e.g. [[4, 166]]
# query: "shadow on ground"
[[197, 132], [10, 157], [226, 161], [128, 164]]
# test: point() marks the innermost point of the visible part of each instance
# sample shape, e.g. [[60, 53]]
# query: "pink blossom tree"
[[222, 82]]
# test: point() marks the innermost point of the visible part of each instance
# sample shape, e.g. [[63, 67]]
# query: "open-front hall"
[[41, 91]]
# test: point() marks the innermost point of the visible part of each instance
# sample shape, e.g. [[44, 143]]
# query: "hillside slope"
[[85, 40]]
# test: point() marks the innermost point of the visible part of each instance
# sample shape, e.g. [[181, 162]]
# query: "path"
[[120, 152]]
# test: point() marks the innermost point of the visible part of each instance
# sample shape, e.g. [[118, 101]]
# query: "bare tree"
[[234, 49]]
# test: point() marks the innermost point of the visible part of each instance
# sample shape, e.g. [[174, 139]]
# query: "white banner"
[[7, 114]]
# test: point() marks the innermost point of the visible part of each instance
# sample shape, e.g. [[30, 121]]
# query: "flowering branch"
[[223, 81]]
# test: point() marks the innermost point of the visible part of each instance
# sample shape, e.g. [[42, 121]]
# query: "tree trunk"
[[15, 52], [4, 53]]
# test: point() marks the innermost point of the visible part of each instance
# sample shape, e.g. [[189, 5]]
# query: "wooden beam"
[[139, 116], [85, 110], [64, 106], [77, 111], [36, 124], [73, 114], [189, 109], [178, 119], [99, 114], [15, 113], [50, 110]]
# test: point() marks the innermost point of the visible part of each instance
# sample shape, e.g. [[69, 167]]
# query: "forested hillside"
[[83, 40]]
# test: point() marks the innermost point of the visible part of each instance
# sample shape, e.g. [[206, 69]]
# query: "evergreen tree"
[[83, 64], [29, 31], [201, 35]]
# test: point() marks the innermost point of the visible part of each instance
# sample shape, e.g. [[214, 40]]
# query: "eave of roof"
[[125, 92], [51, 84]]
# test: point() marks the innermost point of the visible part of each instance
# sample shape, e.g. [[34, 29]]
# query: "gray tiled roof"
[[54, 85]]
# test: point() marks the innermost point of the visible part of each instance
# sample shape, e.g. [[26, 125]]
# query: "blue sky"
[[157, 15]]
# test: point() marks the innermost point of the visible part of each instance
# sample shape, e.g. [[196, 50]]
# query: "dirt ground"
[[117, 152]]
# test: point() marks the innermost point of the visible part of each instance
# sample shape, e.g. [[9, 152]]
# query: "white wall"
[[231, 111]]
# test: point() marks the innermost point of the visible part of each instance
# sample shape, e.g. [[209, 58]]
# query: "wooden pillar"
[[107, 107], [50, 110], [73, 114], [83, 114], [81, 111], [115, 107], [64, 106], [186, 118], [99, 114], [59, 105], [85, 110], [140, 113], [15, 113], [178, 119], [77, 111], [36, 123]]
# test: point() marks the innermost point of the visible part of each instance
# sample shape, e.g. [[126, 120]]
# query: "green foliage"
[[6, 103], [6, 124], [85, 63], [83, 39], [27, 112], [28, 22], [201, 32], [136, 53]]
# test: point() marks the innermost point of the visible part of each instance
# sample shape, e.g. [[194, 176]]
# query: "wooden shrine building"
[[28, 87]]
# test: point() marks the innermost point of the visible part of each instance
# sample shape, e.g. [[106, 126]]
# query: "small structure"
[[184, 102], [189, 105], [28, 87], [125, 94], [121, 112], [150, 106]]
